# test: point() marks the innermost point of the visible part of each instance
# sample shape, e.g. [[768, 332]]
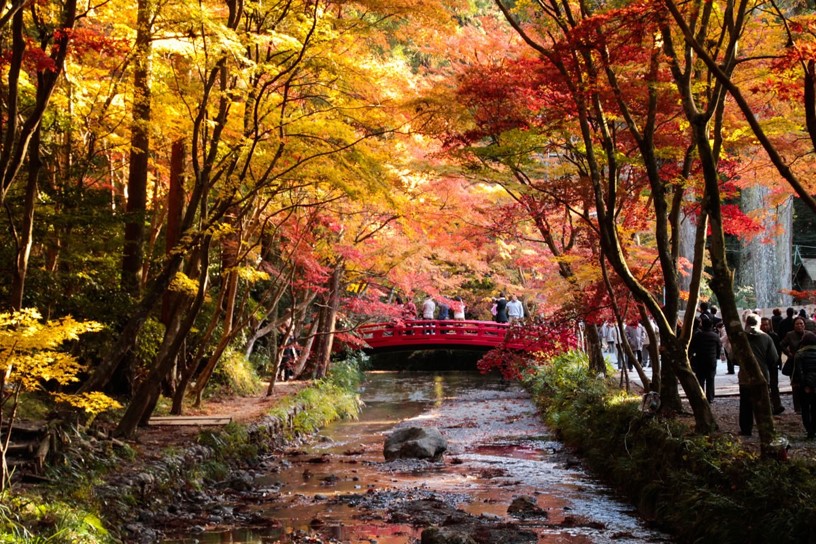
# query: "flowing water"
[[341, 488]]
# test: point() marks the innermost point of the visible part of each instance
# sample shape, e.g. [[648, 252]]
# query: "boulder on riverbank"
[[524, 507], [415, 443]]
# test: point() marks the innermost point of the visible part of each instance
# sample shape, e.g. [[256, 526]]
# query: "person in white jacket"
[[515, 309]]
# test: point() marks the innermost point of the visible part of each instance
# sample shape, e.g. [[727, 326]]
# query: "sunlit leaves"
[[92, 403], [31, 351], [183, 284]]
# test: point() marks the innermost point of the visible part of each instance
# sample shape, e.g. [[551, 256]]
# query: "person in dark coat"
[[501, 308], [786, 325], [704, 352], [805, 372], [444, 310], [766, 326], [790, 343], [765, 353], [776, 319], [810, 325]]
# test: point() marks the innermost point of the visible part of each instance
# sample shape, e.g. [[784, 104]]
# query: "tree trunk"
[[229, 261], [193, 364], [327, 333], [144, 401], [17, 137], [132, 258], [25, 237], [670, 400], [209, 368], [303, 357], [722, 283], [594, 350]]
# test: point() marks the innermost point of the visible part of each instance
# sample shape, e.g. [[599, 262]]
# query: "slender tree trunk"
[[16, 137], [186, 375], [25, 237], [194, 363], [306, 351], [327, 334], [209, 368], [274, 368], [165, 360], [175, 208], [229, 262], [132, 259], [722, 283], [594, 351]]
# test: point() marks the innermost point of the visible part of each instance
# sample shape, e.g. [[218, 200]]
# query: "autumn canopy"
[[210, 184]]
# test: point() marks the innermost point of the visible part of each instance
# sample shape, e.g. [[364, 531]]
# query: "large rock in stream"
[[415, 443]]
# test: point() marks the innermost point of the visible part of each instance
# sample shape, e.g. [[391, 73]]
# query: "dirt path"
[[154, 438]]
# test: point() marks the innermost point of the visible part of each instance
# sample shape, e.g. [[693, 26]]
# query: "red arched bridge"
[[430, 334]]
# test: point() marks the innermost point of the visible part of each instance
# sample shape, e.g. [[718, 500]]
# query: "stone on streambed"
[[445, 535], [526, 507], [415, 443]]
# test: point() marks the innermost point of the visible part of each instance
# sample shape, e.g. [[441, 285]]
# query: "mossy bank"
[[104, 493], [701, 489]]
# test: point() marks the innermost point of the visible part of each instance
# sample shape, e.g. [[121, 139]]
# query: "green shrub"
[[236, 375], [349, 373], [31, 519], [700, 488]]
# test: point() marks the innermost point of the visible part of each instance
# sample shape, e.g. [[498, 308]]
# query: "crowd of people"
[[780, 343], [786, 344], [442, 308], [635, 335]]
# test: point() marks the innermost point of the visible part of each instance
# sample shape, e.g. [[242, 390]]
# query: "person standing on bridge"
[[515, 309], [428, 309], [501, 308], [444, 310], [458, 308], [443, 314]]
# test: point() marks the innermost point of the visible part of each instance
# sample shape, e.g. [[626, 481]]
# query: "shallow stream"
[[340, 489]]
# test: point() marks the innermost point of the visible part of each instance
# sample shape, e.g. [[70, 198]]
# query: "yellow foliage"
[[252, 275], [30, 355], [93, 402], [183, 284]]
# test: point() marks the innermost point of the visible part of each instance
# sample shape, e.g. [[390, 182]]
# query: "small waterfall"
[[688, 231], [765, 261]]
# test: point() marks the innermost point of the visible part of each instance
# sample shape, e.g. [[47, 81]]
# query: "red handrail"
[[431, 332]]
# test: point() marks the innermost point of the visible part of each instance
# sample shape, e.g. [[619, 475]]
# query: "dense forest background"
[[214, 183]]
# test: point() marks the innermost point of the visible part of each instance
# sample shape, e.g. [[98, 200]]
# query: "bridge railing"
[[422, 332]]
